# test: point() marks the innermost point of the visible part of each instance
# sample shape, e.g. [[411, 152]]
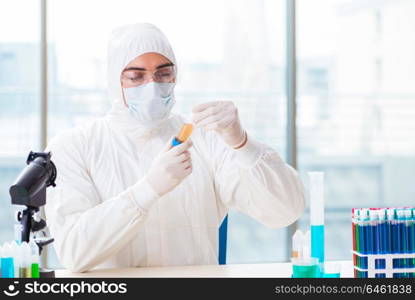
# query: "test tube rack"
[[389, 270]]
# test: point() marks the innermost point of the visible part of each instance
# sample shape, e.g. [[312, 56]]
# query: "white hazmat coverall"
[[104, 214]]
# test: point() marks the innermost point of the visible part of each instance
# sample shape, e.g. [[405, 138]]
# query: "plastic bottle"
[[364, 236], [26, 265], [7, 262], [406, 236], [382, 237], [401, 240], [297, 244], [34, 250], [17, 258], [390, 214]]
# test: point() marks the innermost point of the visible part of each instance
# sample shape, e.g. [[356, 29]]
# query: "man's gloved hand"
[[221, 116], [170, 167]]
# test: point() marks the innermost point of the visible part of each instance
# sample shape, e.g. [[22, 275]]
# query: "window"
[[19, 98], [212, 45], [356, 107]]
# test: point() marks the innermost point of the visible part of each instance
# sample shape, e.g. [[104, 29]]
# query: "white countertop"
[[273, 270]]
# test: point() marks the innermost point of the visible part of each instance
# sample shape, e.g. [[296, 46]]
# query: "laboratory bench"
[[269, 270]]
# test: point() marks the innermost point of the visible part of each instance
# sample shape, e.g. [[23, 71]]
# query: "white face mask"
[[150, 103]]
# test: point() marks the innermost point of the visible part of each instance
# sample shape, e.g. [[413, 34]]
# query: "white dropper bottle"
[[35, 258]]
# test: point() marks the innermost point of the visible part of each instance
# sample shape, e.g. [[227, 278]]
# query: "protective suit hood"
[[126, 43]]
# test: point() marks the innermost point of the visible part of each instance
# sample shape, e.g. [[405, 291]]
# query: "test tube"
[[374, 235], [364, 235], [390, 215], [355, 216], [17, 258], [364, 223], [355, 234], [401, 238], [184, 134], [382, 231], [372, 232], [407, 239]]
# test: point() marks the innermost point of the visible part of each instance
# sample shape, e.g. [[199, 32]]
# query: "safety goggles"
[[135, 77]]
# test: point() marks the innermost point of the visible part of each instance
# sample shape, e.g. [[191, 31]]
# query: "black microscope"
[[29, 190]]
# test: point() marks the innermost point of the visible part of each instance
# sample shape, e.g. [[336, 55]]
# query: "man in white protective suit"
[[125, 197]]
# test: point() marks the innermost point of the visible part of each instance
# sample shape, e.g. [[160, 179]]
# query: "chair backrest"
[[223, 236]]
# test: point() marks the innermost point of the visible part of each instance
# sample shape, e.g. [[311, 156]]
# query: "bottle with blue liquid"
[[19, 260], [7, 261]]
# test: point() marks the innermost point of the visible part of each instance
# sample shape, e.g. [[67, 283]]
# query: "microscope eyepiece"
[[30, 186]]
